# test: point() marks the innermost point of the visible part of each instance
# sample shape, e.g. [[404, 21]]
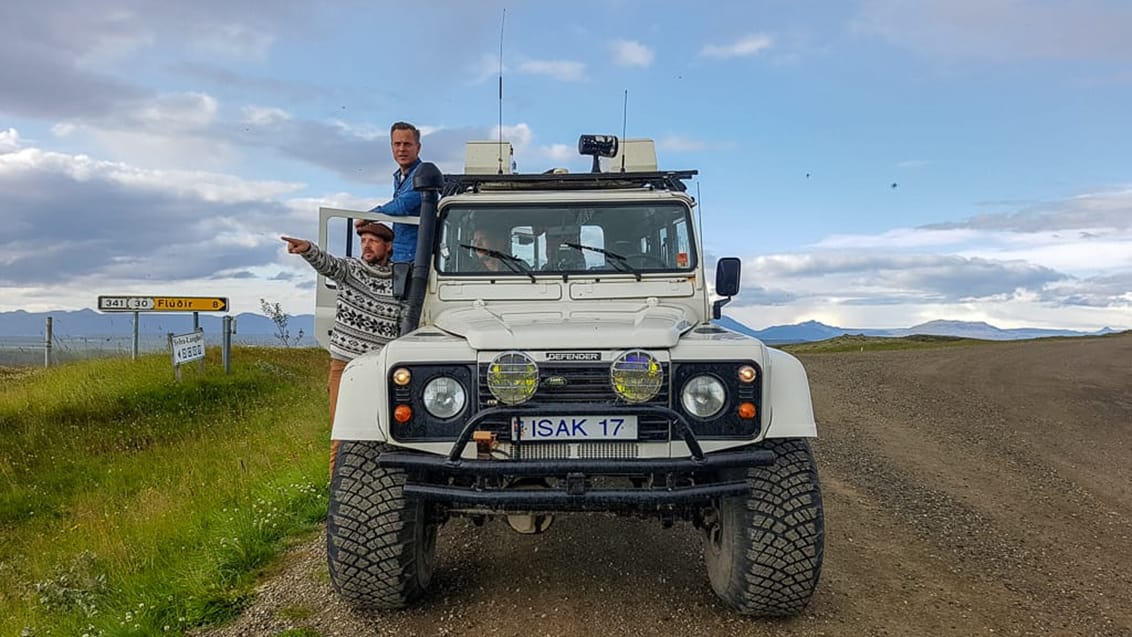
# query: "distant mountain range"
[[91, 323], [815, 331]]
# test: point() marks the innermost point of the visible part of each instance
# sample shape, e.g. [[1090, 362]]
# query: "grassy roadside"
[[134, 505]]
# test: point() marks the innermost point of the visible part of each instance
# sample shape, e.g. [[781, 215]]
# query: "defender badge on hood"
[[573, 356]]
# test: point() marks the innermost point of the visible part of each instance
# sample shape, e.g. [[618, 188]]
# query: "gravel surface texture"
[[982, 490]]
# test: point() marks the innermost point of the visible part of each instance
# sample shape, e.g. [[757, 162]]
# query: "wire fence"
[[21, 351]]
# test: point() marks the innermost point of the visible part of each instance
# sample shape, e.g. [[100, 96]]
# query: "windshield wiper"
[[621, 262], [513, 263]]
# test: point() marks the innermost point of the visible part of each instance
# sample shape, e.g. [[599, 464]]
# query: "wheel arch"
[[791, 409], [362, 400]]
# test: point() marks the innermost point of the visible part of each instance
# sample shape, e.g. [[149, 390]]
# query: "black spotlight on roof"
[[598, 146]]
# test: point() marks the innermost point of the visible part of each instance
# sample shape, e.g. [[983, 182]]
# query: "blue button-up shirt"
[[406, 202]]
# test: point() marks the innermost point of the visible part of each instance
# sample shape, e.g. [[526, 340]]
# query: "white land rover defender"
[[558, 355]]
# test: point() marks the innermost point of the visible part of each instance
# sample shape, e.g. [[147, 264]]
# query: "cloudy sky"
[[876, 163]]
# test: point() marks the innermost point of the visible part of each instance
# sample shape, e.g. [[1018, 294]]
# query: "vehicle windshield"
[[634, 238]]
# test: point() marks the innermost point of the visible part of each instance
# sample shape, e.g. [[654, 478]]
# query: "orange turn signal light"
[[402, 413], [747, 410], [485, 443]]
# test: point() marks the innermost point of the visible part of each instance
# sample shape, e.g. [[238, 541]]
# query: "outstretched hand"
[[296, 246]]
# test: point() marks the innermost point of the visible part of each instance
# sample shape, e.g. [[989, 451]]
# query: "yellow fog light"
[[636, 376], [512, 377], [401, 376], [747, 374]]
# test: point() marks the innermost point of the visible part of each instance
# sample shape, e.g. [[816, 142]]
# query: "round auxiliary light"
[[401, 376], [703, 396], [444, 397], [636, 376], [747, 374], [512, 377]]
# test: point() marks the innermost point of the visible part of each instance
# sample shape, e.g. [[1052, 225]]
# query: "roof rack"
[[660, 180]]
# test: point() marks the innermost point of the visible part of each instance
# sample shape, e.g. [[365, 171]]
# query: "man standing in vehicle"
[[367, 315], [405, 142]]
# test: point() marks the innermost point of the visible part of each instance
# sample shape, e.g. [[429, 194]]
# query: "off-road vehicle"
[[569, 363]]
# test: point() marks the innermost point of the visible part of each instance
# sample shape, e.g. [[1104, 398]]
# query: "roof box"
[[639, 156], [488, 157]]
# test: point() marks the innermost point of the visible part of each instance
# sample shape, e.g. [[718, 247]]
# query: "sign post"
[[186, 348], [138, 304]]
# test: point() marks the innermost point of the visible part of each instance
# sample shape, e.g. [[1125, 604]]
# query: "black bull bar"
[[432, 477]]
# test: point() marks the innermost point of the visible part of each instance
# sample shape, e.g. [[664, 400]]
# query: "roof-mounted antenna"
[[624, 126], [502, 23]]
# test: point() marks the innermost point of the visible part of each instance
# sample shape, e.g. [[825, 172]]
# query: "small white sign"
[[188, 347]]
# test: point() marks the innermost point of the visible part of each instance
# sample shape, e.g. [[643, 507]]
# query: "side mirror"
[[727, 272], [727, 276], [401, 274]]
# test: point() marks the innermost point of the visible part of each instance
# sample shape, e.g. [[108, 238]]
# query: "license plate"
[[574, 428]]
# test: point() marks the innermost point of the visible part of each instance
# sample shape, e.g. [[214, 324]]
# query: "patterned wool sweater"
[[367, 315]]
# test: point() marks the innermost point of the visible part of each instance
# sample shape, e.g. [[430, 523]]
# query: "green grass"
[[131, 504]]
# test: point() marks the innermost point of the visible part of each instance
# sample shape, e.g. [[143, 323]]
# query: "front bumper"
[[443, 480], [663, 482]]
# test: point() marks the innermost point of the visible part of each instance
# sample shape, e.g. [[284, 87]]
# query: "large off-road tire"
[[764, 550], [380, 547]]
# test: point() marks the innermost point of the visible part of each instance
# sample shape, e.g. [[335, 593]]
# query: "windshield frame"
[[666, 247]]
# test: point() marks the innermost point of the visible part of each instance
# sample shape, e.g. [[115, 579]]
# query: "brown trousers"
[[336, 367]]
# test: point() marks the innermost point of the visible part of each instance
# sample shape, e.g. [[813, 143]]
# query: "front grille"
[[566, 450], [588, 386]]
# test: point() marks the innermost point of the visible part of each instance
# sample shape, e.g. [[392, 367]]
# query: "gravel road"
[[983, 490]]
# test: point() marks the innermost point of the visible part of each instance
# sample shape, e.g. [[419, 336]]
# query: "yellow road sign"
[[163, 304], [189, 304]]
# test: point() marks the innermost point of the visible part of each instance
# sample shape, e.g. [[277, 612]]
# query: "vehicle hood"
[[613, 325]]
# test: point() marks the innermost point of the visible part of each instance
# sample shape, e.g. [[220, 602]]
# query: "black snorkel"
[[428, 180]]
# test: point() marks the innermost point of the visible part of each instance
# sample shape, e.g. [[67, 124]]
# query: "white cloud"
[[264, 115], [519, 135], [178, 111], [233, 40], [114, 35], [559, 152], [9, 140], [631, 53], [485, 68], [752, 44], [33, 163], [563, 70], [163, 115], [171, 131], [912, 163], [367, 132]]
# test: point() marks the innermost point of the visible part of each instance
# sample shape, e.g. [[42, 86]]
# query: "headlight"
[[512, 377], [636, 376], [444, 397], [703, 396]]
